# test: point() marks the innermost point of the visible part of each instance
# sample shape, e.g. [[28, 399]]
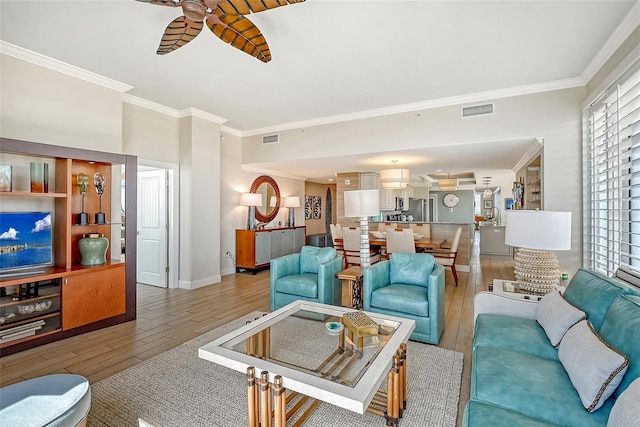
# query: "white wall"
[[149, 134], [50, 107]]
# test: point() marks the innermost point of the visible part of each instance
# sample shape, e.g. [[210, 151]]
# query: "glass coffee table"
[[293, 350]]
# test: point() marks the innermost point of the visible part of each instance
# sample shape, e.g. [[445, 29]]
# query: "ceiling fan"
[[225, 19]]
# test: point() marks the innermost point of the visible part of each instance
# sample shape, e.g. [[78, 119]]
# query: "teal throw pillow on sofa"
[[311, 258], [411, 269]]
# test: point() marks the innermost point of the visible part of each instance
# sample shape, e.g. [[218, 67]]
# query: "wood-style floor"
[[169, 317]]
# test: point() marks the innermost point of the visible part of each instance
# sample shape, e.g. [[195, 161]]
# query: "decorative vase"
[[93, 248]]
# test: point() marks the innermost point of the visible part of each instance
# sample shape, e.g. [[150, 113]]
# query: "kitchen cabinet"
[[388, 197], [256, 248], [49, 298], [369, 181]]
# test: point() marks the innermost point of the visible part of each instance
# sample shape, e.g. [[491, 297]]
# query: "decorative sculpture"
[[99, 182], [83, 186]]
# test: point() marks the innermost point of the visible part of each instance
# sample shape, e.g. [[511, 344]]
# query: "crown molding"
[[194, 112], [230, 130], [624, 30], [149, 105], [61, 67], [424, 105]]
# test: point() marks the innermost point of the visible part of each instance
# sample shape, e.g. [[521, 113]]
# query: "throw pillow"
[[594, 368], [626, 410], [556, 315]]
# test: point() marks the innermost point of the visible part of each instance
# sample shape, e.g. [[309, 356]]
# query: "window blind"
[[612, 177]]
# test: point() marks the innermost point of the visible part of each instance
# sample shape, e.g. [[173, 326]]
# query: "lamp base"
[[536, 270], [365, 254]]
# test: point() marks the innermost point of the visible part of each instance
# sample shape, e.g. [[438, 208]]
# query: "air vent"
[[270, 139], [477, 110]]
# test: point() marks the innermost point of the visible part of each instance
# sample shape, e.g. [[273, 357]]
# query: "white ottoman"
[[61, 400]]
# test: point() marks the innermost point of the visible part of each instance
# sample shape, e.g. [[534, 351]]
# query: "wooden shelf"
[[30, 194]]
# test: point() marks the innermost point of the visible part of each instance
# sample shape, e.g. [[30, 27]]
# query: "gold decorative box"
[[359, 324]]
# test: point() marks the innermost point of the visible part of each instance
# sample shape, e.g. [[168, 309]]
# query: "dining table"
[[422, 243]]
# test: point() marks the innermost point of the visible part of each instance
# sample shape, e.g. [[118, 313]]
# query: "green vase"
[[93, 248]]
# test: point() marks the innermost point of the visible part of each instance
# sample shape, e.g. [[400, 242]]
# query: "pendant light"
[[394, 178]]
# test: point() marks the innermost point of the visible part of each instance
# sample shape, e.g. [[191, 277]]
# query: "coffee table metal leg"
[[403, 374], [252, 397], [265, 400]]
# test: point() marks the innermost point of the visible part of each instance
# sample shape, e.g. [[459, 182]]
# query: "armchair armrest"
[[436, 302], [284, 266], [329, 286], [375, 277], [490, 303]]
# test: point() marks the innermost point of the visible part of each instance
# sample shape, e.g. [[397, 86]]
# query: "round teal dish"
[[334, 326]]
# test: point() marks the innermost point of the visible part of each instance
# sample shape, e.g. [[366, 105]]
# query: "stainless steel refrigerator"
[[418, 209]]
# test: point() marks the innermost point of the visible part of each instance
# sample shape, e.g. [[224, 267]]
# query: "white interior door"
[[152, 228]]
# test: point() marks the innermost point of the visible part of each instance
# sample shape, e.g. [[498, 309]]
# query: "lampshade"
[[394, 178], [359, 203], [543, 230], [251, 199], [448, 184], [292, 202]]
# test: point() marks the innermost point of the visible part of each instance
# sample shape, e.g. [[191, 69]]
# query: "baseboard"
[[184, 284], [228, 271]]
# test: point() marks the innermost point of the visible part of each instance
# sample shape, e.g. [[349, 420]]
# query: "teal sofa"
[[409, 286], [517, 378], [309, 275]]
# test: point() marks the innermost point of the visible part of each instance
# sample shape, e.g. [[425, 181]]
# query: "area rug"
[[177, 388]]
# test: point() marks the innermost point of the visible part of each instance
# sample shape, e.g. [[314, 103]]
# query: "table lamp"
[[536, 234], [252, 200], [292, 202], [363, 204]]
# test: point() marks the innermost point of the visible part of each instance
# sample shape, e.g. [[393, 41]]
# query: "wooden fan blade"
[[171, 3], [240, 33], [245, 7], [178, 33]]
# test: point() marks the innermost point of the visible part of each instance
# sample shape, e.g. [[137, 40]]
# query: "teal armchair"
[[409, 286], [309, 275]]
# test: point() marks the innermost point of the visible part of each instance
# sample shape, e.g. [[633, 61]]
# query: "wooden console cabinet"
[[256, 248], [67, 298]]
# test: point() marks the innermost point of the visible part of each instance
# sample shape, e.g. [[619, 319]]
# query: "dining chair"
[[400, 240], [383, 226], [424, 229], [351, 247], [447, 257], [336, 233]]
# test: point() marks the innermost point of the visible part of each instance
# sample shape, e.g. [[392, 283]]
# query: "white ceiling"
[[330, 57]]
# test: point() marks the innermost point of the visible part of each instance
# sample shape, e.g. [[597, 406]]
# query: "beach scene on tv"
[[25, 239]]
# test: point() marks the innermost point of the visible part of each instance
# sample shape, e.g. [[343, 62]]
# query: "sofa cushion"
[[621, 329], [411, 269], [305, 285], [513, 333], [593, 292], [595, 368], [402, 298], [556, 315], [311, 257], [482, 414], [626, 410], [524, 383]]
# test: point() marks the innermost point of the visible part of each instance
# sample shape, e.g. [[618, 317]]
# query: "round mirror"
[[267, 187]]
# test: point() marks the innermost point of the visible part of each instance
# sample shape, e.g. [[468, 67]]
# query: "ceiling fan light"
[[194, 10], [394, 178]]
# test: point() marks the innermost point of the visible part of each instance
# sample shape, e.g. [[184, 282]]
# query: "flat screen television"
[[26, 240]]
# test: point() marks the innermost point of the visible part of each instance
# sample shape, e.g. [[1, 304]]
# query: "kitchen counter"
[[492, 241]]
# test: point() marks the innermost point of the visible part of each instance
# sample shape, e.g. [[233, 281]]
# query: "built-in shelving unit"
[[55, 302]]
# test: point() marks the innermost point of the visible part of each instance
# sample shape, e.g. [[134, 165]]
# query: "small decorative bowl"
[[334, 327], [379, 234]]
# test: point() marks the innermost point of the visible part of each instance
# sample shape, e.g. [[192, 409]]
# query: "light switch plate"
[[347, 182]]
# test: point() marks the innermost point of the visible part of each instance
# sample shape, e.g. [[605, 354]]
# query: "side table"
[[352, 276], [512, 288]]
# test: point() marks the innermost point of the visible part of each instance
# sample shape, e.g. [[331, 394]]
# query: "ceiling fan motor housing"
[[194, 10]]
